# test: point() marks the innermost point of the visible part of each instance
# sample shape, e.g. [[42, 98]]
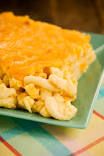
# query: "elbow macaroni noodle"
[[50, 96]]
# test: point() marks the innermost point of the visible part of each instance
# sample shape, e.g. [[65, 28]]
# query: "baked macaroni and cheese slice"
[[40, 65]]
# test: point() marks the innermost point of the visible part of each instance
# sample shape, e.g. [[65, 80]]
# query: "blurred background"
[[84, 15]]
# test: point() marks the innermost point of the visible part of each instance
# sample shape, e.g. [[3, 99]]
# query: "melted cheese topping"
[[27, 46]]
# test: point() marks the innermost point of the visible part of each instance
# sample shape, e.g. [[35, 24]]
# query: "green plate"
[[88, 89]]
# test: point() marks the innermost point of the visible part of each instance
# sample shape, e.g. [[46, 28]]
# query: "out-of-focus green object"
[[88, 89]]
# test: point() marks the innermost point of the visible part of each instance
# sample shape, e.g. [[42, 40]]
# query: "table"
[[26, 138]]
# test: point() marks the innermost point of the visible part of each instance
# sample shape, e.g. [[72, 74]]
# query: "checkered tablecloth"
[[25, 138]]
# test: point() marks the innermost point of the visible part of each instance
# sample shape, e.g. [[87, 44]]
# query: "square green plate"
[[88, 88]]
